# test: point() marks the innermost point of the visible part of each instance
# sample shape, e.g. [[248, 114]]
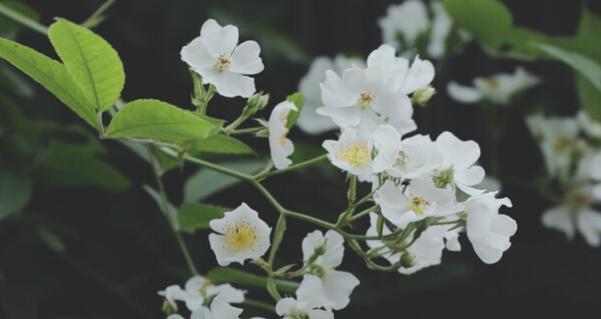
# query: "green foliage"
[[207, 182], [15, 190], [219, 144], [51, 74], [299, 101], [196, 216], [91, 61], [590, 98], [234, 276], [8, 27], [587, 67], [170, 212], [157, 120], [75, 165]]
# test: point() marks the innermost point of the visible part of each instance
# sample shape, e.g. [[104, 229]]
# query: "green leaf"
[[220, 144], [195, 216], [15, 190], [9, 27], [590, 69], [157, 120], [488, 20], [51, 239], [234, 276], [76, 165], [207, 182], [51, 75], [171, 212], [299, 101], [92, 62], [590, 98]]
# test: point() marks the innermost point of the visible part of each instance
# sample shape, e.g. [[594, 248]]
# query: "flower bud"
[[169, 307], [422, 96], [255, 103], [407, 260]]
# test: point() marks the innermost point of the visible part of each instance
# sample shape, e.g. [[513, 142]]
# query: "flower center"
[[355, 154], [578, 200], [492, 82], [223, 63], [401, 159], [240, 237], [562, 144], [365, 100], [418, 204]]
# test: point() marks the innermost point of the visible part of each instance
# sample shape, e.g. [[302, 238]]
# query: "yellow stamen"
[[355, 154], [223, 63], [492, 82], [365, 100], [562, 144], [240, 236], [418, 204]]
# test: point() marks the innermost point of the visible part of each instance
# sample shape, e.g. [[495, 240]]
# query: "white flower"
[[498, 88], [412, 157], [487, 230], [441, 27], [175, 316], [407, 20], [588, 125], [218, 310], [459, 162], [351, 152], [368, 98], [557, 138], [427, 250], [218, 58], [309, 303], [172, 294], [281, 147], [309, 121], [198, 289], [421, 199], [577, 213], [241, 235], [337, 285]]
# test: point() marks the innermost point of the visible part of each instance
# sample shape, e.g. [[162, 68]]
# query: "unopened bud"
[[169, 307], [422, 96], [407, 260], [255, 103]]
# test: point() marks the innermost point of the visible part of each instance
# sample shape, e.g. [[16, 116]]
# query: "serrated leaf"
[[157, 120], [587, 67], [205, 182], [299, 101], [92, 62], [234, 276], [15, 190], [195, 216], [220, 144], [51, 74]]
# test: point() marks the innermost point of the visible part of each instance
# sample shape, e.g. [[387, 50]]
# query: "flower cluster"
[[571, 149]]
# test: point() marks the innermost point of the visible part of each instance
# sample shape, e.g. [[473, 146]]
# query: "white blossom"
[[427, 250], [281, 147], [217, 310], [241, 235], [337, 285], [198, 289], [351, 152], [310, 302], [309, 121], [487, 230], [218, 58], [498, 88], [412, 157], [459, 163], [419, 200], [588, 125]]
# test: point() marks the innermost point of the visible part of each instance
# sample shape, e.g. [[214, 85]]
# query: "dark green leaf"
[[15, 190], [299, 101], [220, 144], [590, 98], [234, 276], [195, 216]]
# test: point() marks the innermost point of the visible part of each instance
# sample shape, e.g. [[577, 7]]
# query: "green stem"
[[168, 214], [363, 213], [246, 130], [292, 167], [22, 19], [259, 304], [96, 17]]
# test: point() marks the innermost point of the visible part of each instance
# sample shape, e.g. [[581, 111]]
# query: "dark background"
[[119, 251]]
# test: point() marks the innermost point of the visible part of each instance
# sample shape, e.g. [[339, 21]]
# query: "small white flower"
[[351, 152], [577, 213], [427, 250], [172, 294], [218, 58], [412, 157], [441, 27], [407, 20], [309, 303], [487, 230], [309, 121], [459, 162], [557, 138], [421, 199], [337, 285], [199, 289], [241, 235], [498, 88], [281, 147], [588, 125], [218, 310]]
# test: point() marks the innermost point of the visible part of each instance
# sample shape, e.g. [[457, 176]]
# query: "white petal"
[[334, 92], [197, 56], [230, 84], [246, 60], [559, 218], [286, 306], [338, 286], [463, 94], [219, 40], [457, 153], [420, 75], [589, 224], [310, 292]]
